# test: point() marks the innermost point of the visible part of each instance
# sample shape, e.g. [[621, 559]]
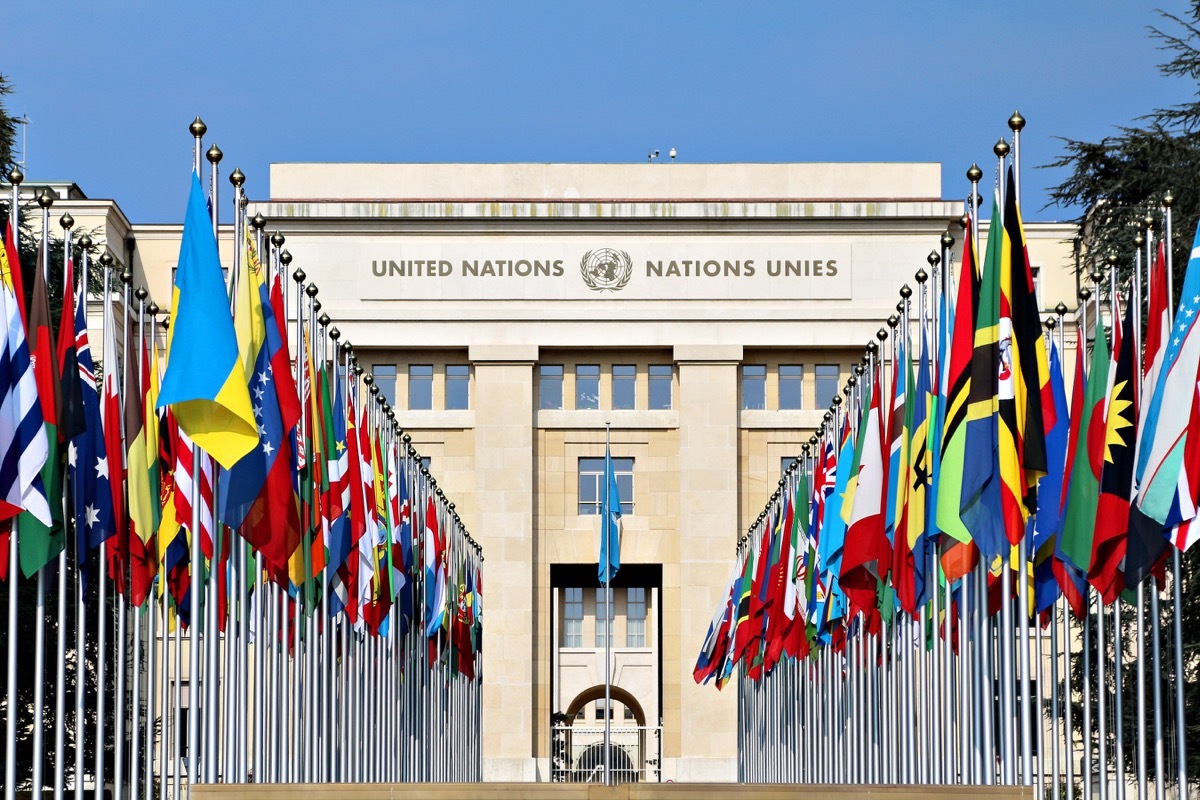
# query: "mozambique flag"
[[1075, 545], [1116, 475], [982, 510], [956, 550], [1024, 397], [39, 543], [205, 381]]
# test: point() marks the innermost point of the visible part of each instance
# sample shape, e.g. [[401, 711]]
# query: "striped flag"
[[24, 446]]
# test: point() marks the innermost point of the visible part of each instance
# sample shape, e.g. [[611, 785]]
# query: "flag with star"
[[258, 495], [87, 458]]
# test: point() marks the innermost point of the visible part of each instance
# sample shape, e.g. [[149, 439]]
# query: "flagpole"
[[604, 515], [135, 669], [1016, 123], [60, 698], [10, 723], [85, 244], [151, 636]]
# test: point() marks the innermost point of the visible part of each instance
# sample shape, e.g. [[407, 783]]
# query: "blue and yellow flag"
[[205, 384]]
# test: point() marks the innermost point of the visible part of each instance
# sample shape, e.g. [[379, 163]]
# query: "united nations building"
[[698, 318]]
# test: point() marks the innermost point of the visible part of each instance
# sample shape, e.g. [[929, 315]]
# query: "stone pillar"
[[704, 736], [504, 494]]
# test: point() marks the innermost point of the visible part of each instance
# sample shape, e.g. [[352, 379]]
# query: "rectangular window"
[[754, 386], [624, 386], [600, 710], [784, 463], [420, 387], [573, 618], [591, 484], [587, 386], [635, 617], [660, 386], [1036, 272], [458, 382], [602, 628], [791, 385], [385, 379], [550, 382], [825, 381], [425, 462]]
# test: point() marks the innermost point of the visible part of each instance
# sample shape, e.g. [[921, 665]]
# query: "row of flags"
[[225, 441], [970, 452]]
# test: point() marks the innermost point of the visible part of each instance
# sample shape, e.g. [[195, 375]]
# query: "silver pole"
[[608, 637], [1176, 577], [80, 616], [60, 699], [135, 669], [10, 722]]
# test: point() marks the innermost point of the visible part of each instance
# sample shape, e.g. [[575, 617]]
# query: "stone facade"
[[506, 268]]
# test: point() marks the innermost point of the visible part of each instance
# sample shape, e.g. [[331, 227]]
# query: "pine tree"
[[1117, 181]]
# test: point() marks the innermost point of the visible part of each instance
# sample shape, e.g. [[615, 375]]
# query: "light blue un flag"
[[610, 524]]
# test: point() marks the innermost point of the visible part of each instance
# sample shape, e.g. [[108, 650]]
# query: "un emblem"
[[605, 270]]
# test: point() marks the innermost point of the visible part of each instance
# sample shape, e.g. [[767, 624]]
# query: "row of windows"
[[635, 617], [826, 380], [587, 386], [420, 385]]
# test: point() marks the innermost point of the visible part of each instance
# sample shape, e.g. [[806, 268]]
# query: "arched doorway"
[[618, 694], [579, 749]]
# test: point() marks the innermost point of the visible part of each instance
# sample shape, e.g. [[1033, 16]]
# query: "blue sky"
[[111, 87]]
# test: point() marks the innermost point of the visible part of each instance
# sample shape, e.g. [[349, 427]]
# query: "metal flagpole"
[[607, 623], [60, 699], [1176, 577], [10, 722], [45, 200], [135, 668], [85, 244]]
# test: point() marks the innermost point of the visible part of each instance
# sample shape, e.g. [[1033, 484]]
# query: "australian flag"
[[87, 458]]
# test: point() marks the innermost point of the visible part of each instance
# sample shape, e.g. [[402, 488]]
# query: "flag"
[[142, 492], [71, 422], [24, 446], [712, 650], [205, 382], [1116, 475], [118, 545], [1048, 523], [1024, 400], [610, 524], [87, 460], [919, 541], [436, 575], [40, 541], [1166, 477], [1147, 540], [982, 508], [866, 556], [258, 495], [956, 550], [901, 447], [1075, 544]]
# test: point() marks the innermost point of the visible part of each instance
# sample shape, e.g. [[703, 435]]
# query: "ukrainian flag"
[[204, 383]]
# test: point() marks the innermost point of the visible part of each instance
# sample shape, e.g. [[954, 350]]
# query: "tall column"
[[504, 489], [701, 724]]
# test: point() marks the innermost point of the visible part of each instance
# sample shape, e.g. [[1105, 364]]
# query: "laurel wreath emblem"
[[605, 269]]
